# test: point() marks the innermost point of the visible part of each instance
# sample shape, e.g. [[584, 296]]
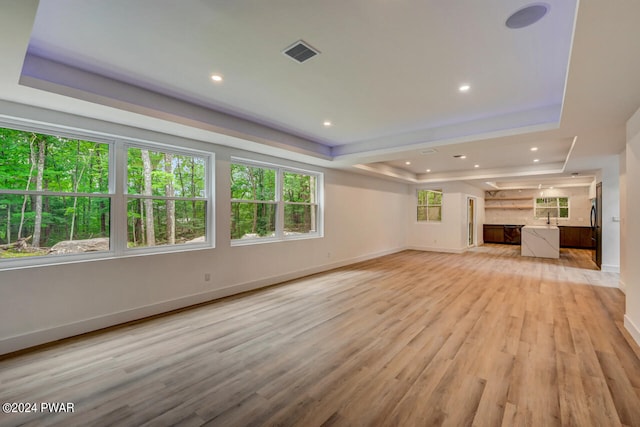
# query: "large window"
[[552, 207], [61, 195], [253, 202], [166, 197], [429, 205], [272, 203]]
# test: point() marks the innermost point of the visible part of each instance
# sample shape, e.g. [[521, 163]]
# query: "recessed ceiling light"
[[464, 88], [460, 156], [216, 77], [536, 160], [327, 123], [534, 148], [428, 170], [476, 166], [407, 163], [526, 16]]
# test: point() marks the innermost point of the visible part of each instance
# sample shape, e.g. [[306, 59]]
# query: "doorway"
[[471, 221]]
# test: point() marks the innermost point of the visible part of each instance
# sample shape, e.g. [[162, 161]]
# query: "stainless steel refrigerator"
[[596, 225]]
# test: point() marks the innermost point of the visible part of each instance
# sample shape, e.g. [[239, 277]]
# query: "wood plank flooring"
[[486, 338]]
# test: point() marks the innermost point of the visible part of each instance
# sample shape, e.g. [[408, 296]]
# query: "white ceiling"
[[387, 78]]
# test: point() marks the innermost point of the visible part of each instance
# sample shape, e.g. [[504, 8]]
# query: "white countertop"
[[542, 241]]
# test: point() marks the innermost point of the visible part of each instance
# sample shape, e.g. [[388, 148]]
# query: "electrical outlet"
[[207, 277]]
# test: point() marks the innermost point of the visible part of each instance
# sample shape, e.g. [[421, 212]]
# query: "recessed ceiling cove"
[[388, 75]]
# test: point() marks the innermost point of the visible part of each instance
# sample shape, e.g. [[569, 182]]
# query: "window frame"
[[557, 207], [427, 205], [117, 194], [280, 204], [208, 195]]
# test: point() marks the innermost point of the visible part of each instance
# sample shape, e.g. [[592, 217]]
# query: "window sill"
[[56, 260], [259, 241]]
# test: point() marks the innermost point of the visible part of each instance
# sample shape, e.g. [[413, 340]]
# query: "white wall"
[[363, 219], [631, 228], [610, 173], [623, 219], [450, 234]]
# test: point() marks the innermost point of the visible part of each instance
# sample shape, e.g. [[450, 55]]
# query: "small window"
[[429, 205], [552, 207], [270, 202], [300, 203]]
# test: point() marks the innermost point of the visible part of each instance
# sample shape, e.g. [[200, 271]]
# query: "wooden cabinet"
[[570, 236], [576, 237], [493, 233], [586, 238], [499, 233]]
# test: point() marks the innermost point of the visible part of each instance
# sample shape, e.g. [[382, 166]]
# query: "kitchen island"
[[542, 241]]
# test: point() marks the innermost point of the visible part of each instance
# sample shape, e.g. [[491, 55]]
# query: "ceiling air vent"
[[300, 51]]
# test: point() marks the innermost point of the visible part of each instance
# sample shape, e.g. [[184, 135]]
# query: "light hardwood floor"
[[485, 338]]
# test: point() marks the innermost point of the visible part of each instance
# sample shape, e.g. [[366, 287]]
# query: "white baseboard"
[[31, 339], [437, 249], [632, 328], [608, 268]]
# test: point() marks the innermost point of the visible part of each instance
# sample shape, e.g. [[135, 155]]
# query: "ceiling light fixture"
[[407, 163], [526, 16], [428, 170], [476, 166], [536, 160], [459, 156], [464, 88], [327, 123], [216, 77], [534, 148]]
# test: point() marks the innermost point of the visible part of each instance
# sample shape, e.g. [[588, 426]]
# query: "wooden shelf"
[[516, 202], [496, 199]]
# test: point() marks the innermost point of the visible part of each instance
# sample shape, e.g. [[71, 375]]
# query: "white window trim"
[[117, 192], [279, 235], [557, 218], [428, 221]]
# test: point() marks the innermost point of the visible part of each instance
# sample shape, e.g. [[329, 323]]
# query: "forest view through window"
[[271, 202], [58, 196], [429, 205], [552, 207], [52, 190], [166, 198]]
